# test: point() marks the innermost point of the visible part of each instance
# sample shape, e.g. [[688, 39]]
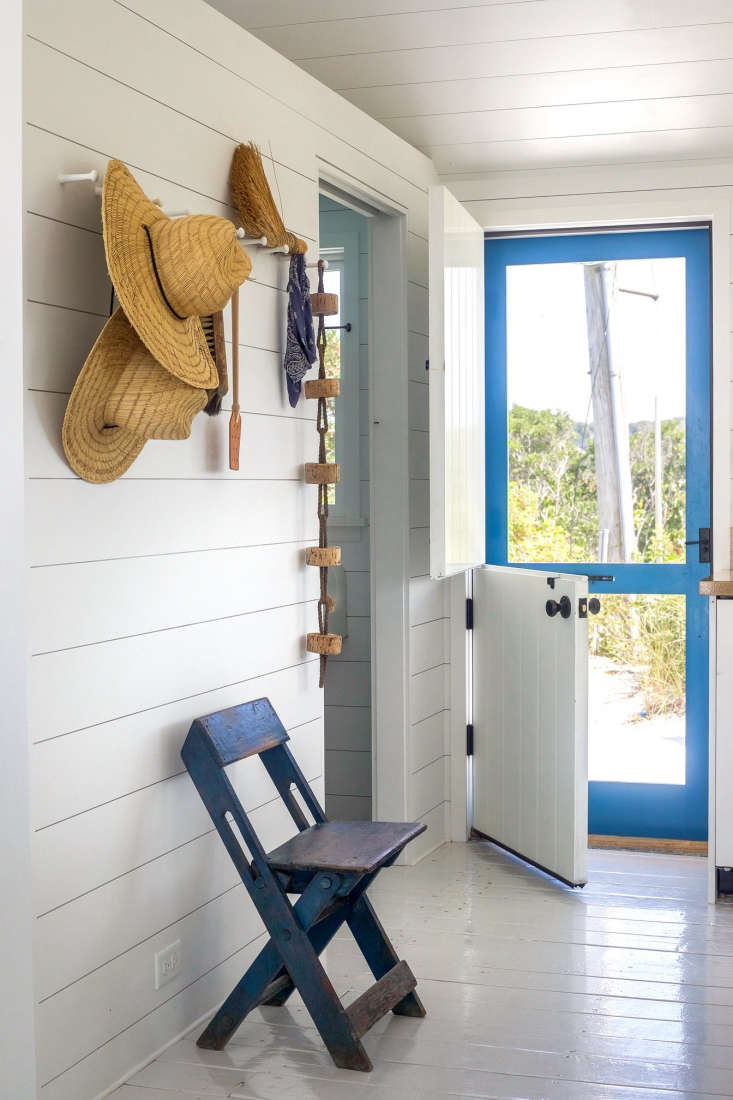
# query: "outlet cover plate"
[[167, 963]]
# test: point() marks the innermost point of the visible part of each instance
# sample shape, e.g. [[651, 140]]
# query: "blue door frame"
[[624, 809]]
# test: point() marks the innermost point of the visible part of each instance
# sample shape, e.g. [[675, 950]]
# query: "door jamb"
[[687, 205], [389, 486]]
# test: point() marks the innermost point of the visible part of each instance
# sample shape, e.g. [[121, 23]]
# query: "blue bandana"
[[300, 350]]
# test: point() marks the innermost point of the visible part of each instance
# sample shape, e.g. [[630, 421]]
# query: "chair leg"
[[296, 955], [379, 953], [245, 996], [322, 1002], [320, 936]]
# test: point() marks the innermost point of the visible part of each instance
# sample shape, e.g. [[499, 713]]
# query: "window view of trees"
[[553, 507]]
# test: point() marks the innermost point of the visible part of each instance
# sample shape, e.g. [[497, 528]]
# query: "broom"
[[253, 198], [235, 420], [213, 326]]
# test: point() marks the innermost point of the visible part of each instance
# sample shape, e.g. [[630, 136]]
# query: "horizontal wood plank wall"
[[181, 588]]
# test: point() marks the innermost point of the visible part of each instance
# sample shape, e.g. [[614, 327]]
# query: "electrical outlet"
[[167, 964]]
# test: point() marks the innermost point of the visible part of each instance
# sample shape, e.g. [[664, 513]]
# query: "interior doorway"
[[598, 430], [344, 243]]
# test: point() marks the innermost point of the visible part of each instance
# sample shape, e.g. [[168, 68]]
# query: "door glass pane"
[[636, 727], [596, 398], [332, 284]]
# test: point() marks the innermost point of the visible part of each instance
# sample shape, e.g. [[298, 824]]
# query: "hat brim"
[[96, 452], [178, 344]]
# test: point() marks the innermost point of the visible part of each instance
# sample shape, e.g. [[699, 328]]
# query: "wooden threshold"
[[649, 844]]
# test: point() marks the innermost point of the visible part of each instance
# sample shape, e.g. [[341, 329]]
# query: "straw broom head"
[[253, 198]]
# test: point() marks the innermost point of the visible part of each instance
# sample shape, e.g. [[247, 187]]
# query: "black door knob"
[[594, 605], [563, 606]]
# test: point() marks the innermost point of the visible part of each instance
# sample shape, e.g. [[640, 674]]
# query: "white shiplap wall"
[[180, 588]]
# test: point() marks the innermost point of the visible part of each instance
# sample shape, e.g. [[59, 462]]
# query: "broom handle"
[[235, 421], [235, 349]]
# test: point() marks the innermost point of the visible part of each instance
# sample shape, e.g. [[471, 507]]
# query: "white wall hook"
[[77, 177], [325, 264], [283, 249], [261, 241]]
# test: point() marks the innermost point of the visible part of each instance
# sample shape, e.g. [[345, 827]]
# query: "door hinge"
[[469, 613], [469, 739]]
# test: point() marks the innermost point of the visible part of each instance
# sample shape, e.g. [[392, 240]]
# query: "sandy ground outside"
[[623, 744]]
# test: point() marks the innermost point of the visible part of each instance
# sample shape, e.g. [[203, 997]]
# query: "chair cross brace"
[[330, 865]]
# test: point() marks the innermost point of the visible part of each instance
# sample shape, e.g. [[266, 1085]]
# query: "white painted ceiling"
[[512, 84]]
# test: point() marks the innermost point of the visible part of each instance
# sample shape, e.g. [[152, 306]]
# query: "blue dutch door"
[[598, 462]]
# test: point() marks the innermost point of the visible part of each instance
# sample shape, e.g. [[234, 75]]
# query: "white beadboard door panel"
[[457, 479], [724, 737], [530, 677]]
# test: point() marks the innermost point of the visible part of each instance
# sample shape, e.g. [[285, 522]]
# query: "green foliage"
[[540, 536], [548, 454], [553, 456], [672, 548], [646, 633], [553, 517]]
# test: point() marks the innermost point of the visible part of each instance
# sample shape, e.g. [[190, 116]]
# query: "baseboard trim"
[[649, 844]]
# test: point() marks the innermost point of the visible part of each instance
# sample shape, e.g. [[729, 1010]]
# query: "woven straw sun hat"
[[168, 272], [122, 398]]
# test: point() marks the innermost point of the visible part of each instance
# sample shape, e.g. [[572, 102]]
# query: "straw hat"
[[122, 398], [168, 272]]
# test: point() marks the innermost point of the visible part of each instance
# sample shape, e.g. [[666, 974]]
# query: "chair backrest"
[[241, 731], [221, 738]]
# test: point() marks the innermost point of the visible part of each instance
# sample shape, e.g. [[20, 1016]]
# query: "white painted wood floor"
[[623, 989]]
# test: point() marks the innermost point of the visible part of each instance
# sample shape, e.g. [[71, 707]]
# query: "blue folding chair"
[[329, 864]]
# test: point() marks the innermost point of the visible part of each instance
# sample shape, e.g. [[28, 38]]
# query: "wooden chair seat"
[[361, 846], [352, 852]]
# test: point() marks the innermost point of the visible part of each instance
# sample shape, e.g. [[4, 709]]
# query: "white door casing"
[[530, 717]]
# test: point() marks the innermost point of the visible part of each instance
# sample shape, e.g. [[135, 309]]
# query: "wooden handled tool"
[[235, 420]]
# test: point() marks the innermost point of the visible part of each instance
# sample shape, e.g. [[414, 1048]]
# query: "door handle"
[[586, 606], [563, 606], [703, 541]]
